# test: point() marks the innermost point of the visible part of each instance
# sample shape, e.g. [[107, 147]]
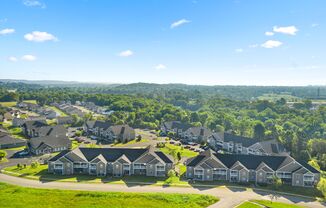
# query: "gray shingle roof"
[[6, 139], [251, 162], [246, 142], [113, 154], [52, 141], [176, 125]]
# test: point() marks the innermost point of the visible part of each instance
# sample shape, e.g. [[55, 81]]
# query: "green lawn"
[[172, 149], [57, 110], [16, 132], [30, 101], [28, 171], [75, 144], [274, 97], [8, 104], [15, 196], [12, 104], [41, 173], [3, 160], [182, 169], [249, 205], [270, 204]]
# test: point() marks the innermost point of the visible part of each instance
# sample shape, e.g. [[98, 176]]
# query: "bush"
[[34, 164], [160, 145], [3, 154], [138, 138]]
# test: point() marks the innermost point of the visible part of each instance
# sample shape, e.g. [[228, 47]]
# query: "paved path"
[[229, 197]]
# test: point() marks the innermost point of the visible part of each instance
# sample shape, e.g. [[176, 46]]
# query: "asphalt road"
[[229, 197]]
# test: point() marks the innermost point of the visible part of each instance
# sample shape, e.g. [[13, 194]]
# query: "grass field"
[[8, 104], [15, 196], [249, 205], [268, 204], [57, 110], [274, 97], [173, 149], [16, 132], [3, 160], [12, 104]]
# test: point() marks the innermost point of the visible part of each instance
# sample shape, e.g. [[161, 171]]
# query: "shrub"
[[34, 164], [2, 154]]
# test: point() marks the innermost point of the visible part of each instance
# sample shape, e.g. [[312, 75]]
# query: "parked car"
[[23, 153]]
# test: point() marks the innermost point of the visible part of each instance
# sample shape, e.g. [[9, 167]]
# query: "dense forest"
[[301, 127]]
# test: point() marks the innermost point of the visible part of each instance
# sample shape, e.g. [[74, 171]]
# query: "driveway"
[[13, 161], [229, 197]]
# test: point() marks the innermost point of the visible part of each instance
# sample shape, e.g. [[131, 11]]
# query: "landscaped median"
[[14, 196], [265, 203]]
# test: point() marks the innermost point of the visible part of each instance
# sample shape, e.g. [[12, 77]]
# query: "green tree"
[[3, 154], [179, 156], [259, 130]]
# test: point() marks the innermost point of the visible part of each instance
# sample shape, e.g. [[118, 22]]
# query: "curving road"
[[229, 197]]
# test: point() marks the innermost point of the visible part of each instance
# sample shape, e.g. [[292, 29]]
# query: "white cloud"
[[314, 25], [160, 67], [271, 44], [38, 36], [34, 3], [289, 30], [179, 23], [12, 59], [253, 46], [29, 58], [126, 53], [239, 50], [7, 31], [269, 33], [3, 20]]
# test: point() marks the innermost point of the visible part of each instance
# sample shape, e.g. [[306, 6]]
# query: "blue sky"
[[211, 42]]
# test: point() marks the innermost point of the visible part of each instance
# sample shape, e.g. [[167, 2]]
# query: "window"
[[139, 166], [284, 174], [308, 178], [160, 168], [234, 173], [80, 165], [92, 166], [219, 171], [58, 166]]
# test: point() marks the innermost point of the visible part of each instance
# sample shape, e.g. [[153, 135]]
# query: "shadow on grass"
[[285, 191], [129, 181]]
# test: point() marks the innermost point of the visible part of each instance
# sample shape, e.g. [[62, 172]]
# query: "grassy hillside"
[[265, 203], [15, 196]]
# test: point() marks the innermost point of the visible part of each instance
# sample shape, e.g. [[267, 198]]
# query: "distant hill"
[[181, 90], [58, 83]]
